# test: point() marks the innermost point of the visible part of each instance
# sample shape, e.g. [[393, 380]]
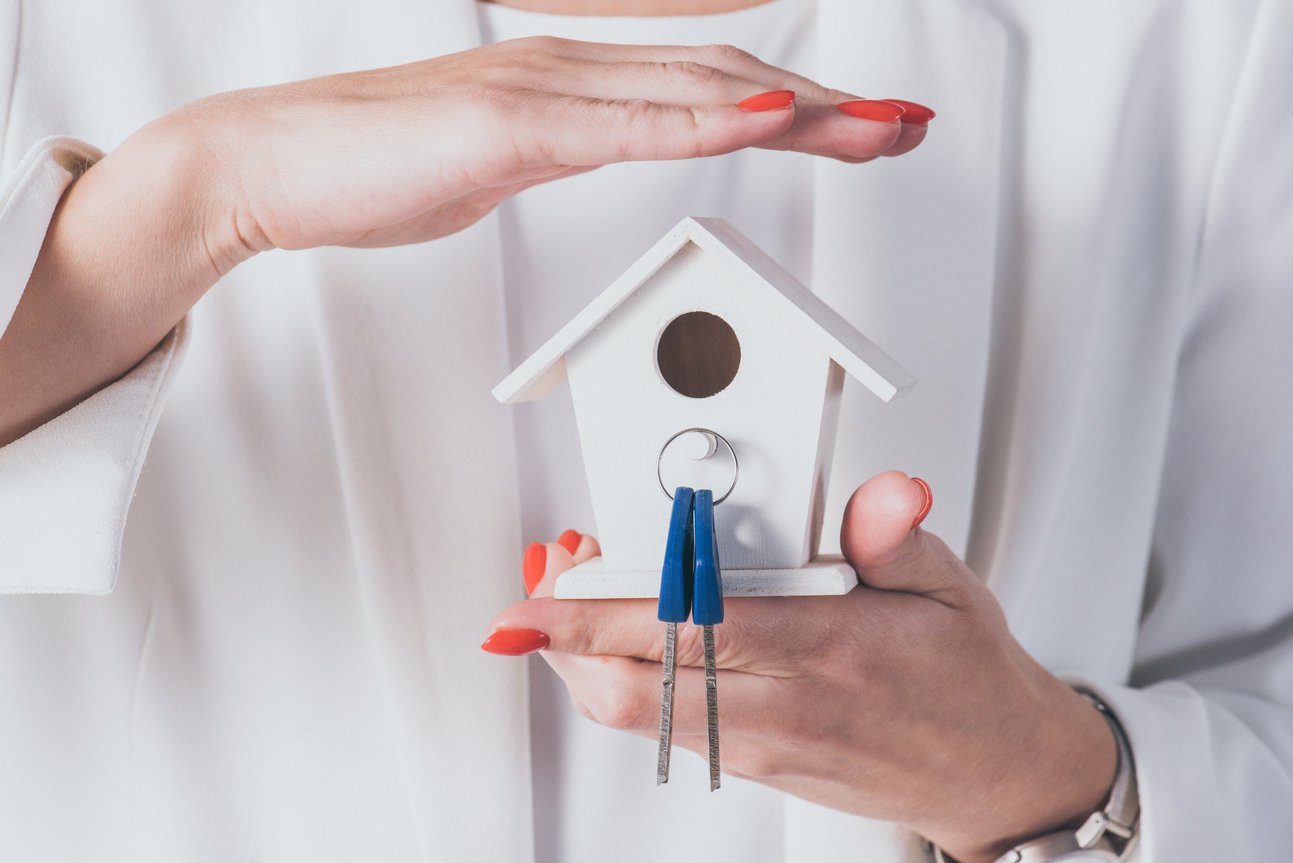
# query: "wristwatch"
[[1107, 836]]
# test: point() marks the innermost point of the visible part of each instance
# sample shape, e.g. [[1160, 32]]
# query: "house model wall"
[[779, 411]]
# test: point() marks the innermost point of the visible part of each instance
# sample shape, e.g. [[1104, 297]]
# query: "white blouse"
[[1084, 266]]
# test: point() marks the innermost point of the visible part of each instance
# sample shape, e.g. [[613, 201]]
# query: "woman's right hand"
[[378, 158], [414, 152]]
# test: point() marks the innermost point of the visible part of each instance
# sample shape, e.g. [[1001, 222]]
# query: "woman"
[[1079, 267]]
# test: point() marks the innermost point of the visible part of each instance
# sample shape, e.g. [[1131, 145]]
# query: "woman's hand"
[[906, 699], [414, 152], [378, 158]]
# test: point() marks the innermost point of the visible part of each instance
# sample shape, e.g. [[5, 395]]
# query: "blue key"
[[676, 582], [679, 560], [707, 610], [691, 585], [707, 594]]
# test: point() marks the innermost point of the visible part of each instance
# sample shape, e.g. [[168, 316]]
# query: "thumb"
[[881, 538]]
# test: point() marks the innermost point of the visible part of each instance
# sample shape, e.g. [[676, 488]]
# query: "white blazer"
[[1089, 268]]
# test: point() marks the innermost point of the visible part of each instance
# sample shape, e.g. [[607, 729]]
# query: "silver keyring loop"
[[736, 463]]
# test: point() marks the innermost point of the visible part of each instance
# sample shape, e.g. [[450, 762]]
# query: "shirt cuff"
[[65, 487], [1211, 785], [28, 198]]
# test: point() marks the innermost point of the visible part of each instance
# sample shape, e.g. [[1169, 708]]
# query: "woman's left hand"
[[906, 699]]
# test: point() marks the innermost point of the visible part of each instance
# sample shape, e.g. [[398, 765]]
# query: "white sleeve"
[[65, 487], [1209, 708]]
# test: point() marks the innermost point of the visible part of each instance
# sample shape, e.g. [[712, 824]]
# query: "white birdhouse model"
[[707, 365]]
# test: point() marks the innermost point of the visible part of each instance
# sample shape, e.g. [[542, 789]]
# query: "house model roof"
[[801, 308]]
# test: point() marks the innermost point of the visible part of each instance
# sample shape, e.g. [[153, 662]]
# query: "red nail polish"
[[536, 561], [769, 101], [570, 540], [929, 502], [514, 642], [916, 112], [872, 109]]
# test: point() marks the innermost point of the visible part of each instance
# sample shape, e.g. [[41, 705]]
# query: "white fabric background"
[[1084, 265]]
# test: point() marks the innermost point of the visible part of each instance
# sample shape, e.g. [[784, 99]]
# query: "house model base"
[[825, 576]]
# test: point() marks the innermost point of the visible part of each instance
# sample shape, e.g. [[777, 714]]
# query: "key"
[[706, 611], [674, 608]]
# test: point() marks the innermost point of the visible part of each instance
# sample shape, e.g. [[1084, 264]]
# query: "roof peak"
[[821, 324]]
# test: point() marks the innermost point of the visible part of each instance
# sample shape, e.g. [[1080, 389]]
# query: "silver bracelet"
[[1107, 836]]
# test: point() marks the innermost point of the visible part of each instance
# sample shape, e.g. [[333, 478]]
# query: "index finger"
[[728, 58], [602, 131], [819, 128], [765, 635]]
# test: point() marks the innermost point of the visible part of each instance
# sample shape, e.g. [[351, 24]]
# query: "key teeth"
[[711, 708], [669, 665]]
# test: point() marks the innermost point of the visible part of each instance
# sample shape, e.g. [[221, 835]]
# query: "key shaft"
[[676, 577], [711, 708], [666, 704], [706, 611]]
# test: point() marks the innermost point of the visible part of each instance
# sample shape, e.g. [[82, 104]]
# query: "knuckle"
[[691, 73], [631, 112], [632, 120], [728, 53], [911, 553]]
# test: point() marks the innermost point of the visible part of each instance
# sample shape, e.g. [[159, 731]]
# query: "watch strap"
[[1122, 811]]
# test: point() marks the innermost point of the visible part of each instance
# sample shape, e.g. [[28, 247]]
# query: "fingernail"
[[570, 540], [872, 109], [769, 101], [536, 560], [916, 112], [514, 642], [929, 502]]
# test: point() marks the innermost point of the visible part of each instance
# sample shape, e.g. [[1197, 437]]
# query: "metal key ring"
[[736, 463]]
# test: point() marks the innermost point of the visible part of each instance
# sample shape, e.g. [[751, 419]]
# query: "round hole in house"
[[698, 354]]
